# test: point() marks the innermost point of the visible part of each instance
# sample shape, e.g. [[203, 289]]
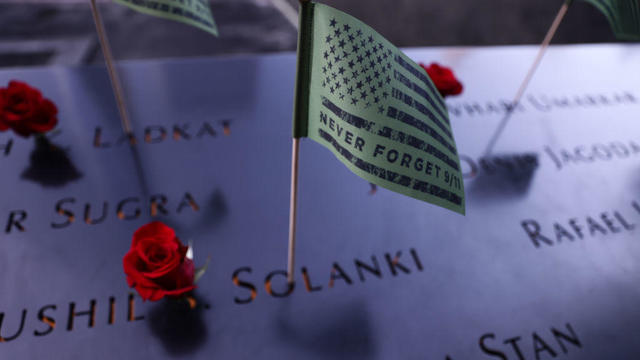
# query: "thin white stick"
[[113, 73], [293, 201], [293, 208], [525, 83]]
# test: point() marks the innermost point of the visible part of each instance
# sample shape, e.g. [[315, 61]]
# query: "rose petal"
[[180, 291], [156, 264], [164, 269], [148, 246], [154, 229], [444, 79], [25, 111]]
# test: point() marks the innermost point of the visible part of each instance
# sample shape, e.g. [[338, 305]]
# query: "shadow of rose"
[[50, 165], [180, 329]]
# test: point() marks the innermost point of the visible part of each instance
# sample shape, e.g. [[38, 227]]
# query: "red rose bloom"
[[444, 79], [156, 265], [23, 109]]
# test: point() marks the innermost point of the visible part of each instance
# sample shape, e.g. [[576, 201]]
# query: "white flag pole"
[[525, 83], [113, 73], [293, 202]]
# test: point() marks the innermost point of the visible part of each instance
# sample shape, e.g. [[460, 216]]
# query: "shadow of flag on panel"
[[196, 13], [374, 108]]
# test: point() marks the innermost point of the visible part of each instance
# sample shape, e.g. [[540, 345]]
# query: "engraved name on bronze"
[[543, 103], [70, 210], [155, 134], [276, 285], [551, 343], [48, 318], [579, 228]]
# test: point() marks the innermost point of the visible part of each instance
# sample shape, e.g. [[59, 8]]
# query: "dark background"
[[37, 32]]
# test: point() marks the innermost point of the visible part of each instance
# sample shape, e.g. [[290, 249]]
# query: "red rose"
[[156, 265], [23, 109], [444, 79]]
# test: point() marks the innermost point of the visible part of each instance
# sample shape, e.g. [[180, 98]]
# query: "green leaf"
[[201, 270]]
